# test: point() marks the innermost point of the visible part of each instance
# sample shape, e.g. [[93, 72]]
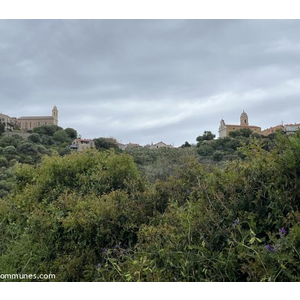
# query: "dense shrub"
[[64, 211], [92, 217], [35, 138], [9, 150]]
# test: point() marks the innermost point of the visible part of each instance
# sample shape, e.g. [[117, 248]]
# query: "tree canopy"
[[207, 136], [103, 143]]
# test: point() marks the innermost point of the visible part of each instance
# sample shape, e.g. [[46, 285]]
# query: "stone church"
[[28, 123], [224, 129]]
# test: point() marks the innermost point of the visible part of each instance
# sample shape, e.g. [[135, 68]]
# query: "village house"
[[287, 128], [271, 130], [8, 122], [159, 145], [82, 144]]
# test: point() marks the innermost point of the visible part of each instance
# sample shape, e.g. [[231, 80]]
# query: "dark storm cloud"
[[151, 80]]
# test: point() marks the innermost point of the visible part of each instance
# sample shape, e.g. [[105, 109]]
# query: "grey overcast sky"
[[147, 81]]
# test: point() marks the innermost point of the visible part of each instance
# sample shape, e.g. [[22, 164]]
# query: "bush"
[[72, 133], [91, 217], [27, 148], [48, 130], [64, 211], [9, 150], [61, 136], [47, 140], [3, 162], [35, 138], [205, 150], [218, 156]]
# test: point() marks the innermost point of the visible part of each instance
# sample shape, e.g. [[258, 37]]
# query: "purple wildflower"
[[235, 223], [282, 231], [104, 250], [117, 247], [187, 192], [269, 248], [98, 266]]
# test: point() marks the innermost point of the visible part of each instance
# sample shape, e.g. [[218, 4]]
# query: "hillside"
[[161, 215]]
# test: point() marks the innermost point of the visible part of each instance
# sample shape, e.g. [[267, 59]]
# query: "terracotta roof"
[[36, 118], [242, 126], [292, 125], [83, 140]]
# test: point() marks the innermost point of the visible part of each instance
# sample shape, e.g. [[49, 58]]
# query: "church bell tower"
[[244, 119], [55, 115]]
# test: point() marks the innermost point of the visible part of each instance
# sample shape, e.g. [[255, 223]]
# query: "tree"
[[72, 133], [9, 150], [207, 136], [47, 129], [35, 138], [27, 149], [218, 156], [61, 136], [105, 143], [41, 149], [47, 140], [3, 162], [64, 151], [245, 132], [10, 141], [186, 145], [205, 150]]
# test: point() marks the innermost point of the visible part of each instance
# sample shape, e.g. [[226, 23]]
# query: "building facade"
[[31, 122], [82, 144], [273, 129], [225, 129], [291, 128], [7, 121], [287, 128]]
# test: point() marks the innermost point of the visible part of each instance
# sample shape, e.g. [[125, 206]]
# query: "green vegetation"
[[103, 143], [227, 149], [159, 164], [45, 140], [2, 128], [186, 214]]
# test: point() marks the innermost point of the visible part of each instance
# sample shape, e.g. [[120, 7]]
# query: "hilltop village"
[[24, 125], [225, 129], [173, 214]]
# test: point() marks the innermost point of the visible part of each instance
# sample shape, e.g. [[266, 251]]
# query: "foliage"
[[210, 150], [105, 143], [2, 128], [245, 132], [67, 209], [71, 132], [205, 150], [91, 216], [160, 163], [9, 150], [207, 136], [35, 138], [61, 136], [218, 156], [186, 145], [14, 149], [47, 129]]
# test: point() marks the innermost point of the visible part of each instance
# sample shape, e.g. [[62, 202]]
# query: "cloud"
[[150, 80]]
